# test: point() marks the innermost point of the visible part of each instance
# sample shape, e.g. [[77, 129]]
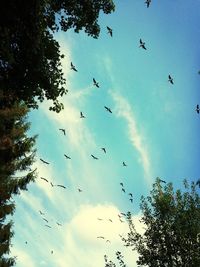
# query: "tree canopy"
[[30, 58], [172, 227]]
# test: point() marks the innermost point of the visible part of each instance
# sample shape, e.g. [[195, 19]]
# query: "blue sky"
[[153, 128]]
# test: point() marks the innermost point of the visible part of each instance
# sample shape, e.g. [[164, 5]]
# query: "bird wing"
[[44, 179]]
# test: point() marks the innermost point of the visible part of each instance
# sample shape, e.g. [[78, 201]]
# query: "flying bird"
[[108, 109], [110, 220], [121, 184], [131, 200], [123, 190], [95, 83], [60, 186], [99, 219], [41, 212], [124, 164], [47, 226], [59, 224], [45, 162], [67, 157], [148, 2], [102, 237], [94, 157], [108, 240], [81, 115], [52, 184], [142, 44], [73, 67], [170, 79], [44, 179], [52, 252], [130, 194], [110, 31], [197, 109], [45, 220], [63, 130], [80, 190], [104, 150]]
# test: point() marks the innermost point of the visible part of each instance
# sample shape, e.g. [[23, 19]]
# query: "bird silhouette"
[[95, 83], [73, 67], [123, 190], [45, 162], [47, 226], [102, 237], [63, 130], [197, 109], [110, 31], [80, 190], [170, 79], [94, 157], [121, 184], [148, 2], [108, 241], [142, 44], [44, 179], [124, 164], [108, 109], [99, 219], [59, 185], [130, 194], [131, 200], [45, 220], [59, 224], [81, 115], [110, 220], [52, 184], [41, 212], [52, 252], [104, 150], [67, 157]]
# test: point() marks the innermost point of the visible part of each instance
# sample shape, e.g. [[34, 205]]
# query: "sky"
[[153, 128]]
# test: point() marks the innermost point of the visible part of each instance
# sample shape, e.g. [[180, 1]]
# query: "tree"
[[16, 156], [172, 227], [30, 58]]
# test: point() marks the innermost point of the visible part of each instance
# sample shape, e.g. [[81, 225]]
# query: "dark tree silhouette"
[[16, 155], [30, 58], [172, 227]]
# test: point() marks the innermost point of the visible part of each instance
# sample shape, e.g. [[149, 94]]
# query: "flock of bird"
[[121, 216]]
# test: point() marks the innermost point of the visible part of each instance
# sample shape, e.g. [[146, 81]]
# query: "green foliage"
[[16, 156], [172, 225], [30, 58]]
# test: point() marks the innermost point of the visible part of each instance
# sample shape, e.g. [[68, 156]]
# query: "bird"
[[197, 109], [94, 157], [63, 130], [44, 179], [45, 162], [110, 31], [47, 226], [52, 252], [122, 213], [148, 2], [81, 115], [108, 240], [102, 237], [131, 200], [52, 184], [198, 183], [121, 184], [26, 242], [67, 157], [99, 219], [45, 220], [123, 190], [95, 83], [59, 224], [124, 164], [110, 220], [170, 79], [104, 150], [130, 194], [60, 186], [142, 44], [80, 190], [108, 109], [73, 67], [41, 212]]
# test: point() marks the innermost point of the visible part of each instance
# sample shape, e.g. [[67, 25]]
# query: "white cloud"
[[124, 110]]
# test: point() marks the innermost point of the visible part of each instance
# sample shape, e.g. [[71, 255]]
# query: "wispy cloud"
[[125, 111]]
